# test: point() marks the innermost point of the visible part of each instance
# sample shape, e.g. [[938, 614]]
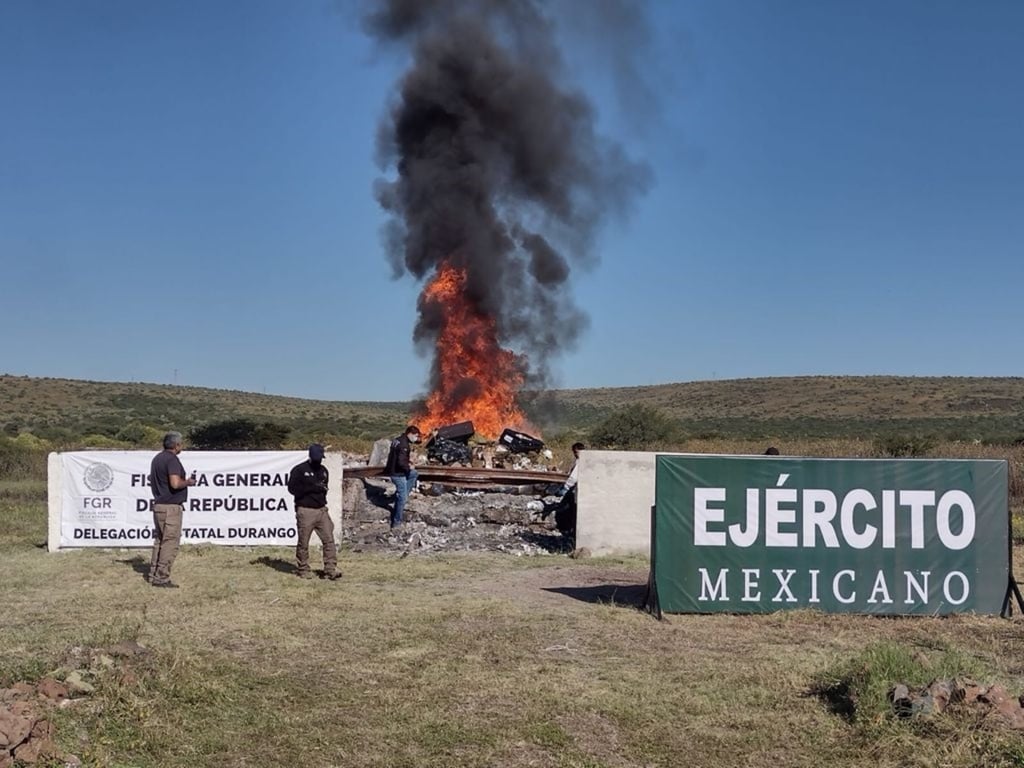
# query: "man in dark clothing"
[[307, 482], [169, 486], [399, 468]]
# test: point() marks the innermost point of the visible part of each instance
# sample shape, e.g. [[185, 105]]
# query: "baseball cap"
[[316, 451]]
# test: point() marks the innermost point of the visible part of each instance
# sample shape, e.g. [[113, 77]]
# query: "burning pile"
[[474, 377], [450, 445], [500, 183], [513, 450]]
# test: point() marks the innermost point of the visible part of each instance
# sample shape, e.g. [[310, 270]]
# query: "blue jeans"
[[403, 484]]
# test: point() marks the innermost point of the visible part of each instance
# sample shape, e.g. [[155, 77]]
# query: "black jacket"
[[308, 484], [398, 457]]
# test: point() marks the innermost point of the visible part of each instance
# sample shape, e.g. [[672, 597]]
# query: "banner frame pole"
[[651, 602], [54, 500], [1012, 590]]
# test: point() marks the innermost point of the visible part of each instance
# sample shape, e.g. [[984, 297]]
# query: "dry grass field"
[[489, 659], [469, 660]]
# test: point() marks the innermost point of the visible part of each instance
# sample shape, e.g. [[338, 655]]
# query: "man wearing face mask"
[[307, 482], [399, 468]]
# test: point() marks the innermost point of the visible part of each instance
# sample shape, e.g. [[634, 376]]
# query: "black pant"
[[565, 515]]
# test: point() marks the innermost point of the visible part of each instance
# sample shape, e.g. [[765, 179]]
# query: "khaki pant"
[[166, 538], [308, 521]]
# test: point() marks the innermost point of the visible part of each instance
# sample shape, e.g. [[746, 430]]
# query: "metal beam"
[[475, 475]]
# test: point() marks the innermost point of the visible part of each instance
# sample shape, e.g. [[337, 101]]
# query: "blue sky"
[[186, 195]]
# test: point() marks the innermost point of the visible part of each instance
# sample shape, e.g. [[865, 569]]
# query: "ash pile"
[[472, 496]]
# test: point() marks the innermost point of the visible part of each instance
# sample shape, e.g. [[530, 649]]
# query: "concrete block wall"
[[615, 496]]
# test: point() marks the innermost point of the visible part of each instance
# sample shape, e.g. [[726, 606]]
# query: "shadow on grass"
[[138, 563], [624, 596], [284, 566], [838, 698]]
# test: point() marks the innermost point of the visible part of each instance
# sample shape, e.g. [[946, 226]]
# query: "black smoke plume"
[[498, 166]]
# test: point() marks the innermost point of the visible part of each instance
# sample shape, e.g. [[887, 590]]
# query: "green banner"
[[758, 534]]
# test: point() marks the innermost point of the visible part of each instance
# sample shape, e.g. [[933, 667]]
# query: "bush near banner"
[[757, 534]]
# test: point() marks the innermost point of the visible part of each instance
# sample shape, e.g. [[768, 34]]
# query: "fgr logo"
[[98, 477]]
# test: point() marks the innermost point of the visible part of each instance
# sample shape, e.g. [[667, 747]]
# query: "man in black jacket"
[[308, 484], [399, 468]]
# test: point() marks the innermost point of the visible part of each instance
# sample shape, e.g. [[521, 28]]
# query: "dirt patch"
[[596, 736], [571, 587], [514, 521]]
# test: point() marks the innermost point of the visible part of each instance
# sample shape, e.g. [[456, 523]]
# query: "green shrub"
[[858, 688], [102, 441], [238, 435], [634, 428], [29, 442], [19, 459], [904, 446], [140, 434]]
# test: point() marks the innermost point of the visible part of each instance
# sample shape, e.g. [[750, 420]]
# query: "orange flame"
[[476, 379]]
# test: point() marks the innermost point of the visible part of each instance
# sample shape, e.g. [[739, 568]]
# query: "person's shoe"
[[332, 576], [165, 584], [304, 574]]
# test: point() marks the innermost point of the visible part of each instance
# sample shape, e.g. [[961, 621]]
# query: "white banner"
[[241, 497]]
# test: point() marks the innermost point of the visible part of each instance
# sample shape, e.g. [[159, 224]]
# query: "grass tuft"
[[858, 689]]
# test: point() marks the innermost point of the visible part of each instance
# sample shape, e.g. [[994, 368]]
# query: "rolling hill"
[[976, 408]]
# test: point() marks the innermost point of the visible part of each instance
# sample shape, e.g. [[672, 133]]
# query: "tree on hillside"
[[238, 435], [634, 428], [140, 434]]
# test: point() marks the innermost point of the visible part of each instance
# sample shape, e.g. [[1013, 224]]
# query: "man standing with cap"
[[307, 482]]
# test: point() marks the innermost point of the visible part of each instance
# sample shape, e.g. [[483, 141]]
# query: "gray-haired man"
[[170, 492]]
